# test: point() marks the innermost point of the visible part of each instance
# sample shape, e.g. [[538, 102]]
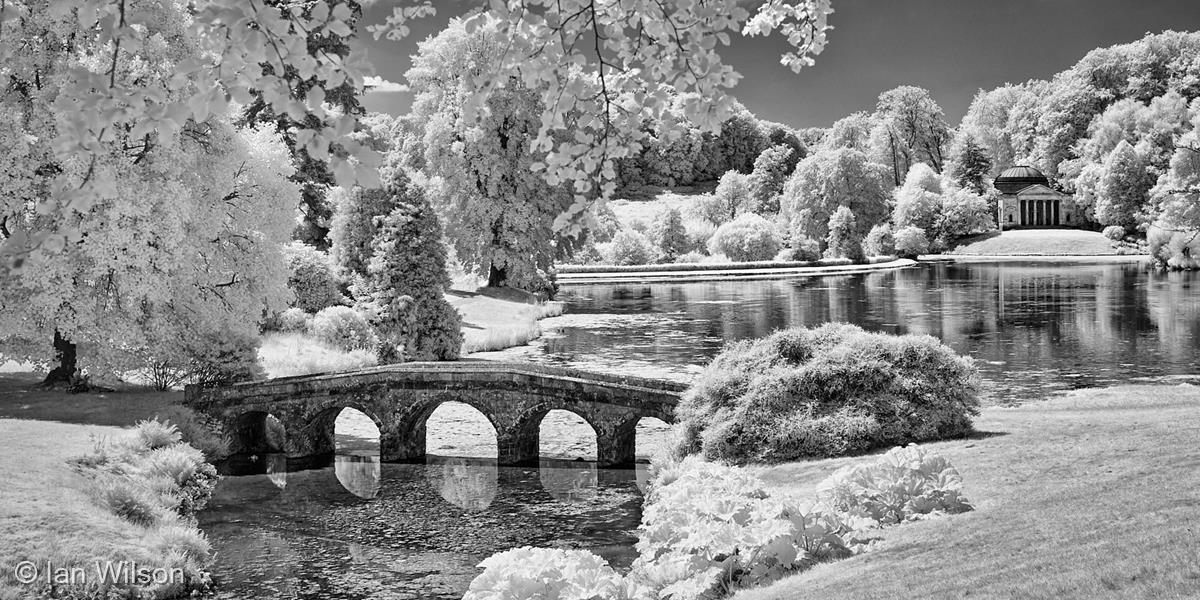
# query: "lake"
[[1033, 328]]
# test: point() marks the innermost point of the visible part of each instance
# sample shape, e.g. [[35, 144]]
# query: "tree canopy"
[[65, 63]]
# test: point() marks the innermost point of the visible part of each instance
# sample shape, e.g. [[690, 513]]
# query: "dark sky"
[[951, 47]]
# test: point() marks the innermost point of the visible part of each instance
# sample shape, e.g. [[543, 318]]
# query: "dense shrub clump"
[[911, 241], [344, 328], [749, 237], [879, 241], [827, 391], [311, 278], [1115, 233], [628, 247]]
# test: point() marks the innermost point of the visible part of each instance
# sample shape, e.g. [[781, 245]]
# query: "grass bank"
[[491, 323], [1089, 495], [1041, 242]]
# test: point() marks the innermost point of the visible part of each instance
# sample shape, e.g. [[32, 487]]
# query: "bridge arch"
[[256, 431], [573, 431], [314, 432], [457, 428], [406, 437]]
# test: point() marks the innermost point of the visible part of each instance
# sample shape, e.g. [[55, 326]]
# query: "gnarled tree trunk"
[[64, 353]]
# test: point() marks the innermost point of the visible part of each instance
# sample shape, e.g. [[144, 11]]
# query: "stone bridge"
[[399, 398]]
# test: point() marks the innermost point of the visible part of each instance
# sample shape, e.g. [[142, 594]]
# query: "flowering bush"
[[749, 237], [546, 574], [708, 529], [1115, 233], [906, 484], [344, 328]]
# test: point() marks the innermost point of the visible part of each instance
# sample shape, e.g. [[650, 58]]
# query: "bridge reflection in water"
[[355, 528], [470, 484]]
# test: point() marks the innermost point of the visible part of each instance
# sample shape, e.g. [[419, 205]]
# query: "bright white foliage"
[[91, 75], [580, 54]]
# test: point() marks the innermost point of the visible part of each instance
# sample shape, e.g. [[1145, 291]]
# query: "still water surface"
[[1034, 329], [357, 529]]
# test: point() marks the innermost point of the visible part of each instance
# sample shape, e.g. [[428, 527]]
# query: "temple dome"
[[1015, 179]]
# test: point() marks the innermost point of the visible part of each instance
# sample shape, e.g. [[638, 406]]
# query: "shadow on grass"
[[21, 397], [983, 435]]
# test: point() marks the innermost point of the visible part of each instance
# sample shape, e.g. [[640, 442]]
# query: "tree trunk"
[[64, 353], [497, 277]]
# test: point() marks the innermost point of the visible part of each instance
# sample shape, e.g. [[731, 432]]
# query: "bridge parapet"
[[399, 398]]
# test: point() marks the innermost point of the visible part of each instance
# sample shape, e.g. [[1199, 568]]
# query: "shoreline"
[[1038, 258], [684, 274]]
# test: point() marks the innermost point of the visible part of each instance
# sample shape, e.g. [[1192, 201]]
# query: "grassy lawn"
[[44, 511], [1091, 495], [1038, 242], [495, 324], [646, 203]]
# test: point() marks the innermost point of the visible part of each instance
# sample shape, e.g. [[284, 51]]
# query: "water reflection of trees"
[[1088, 322]]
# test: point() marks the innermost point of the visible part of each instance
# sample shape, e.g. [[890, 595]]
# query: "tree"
[[843, 240], [1177, 194], [778, 134], [852, 132], [234, 41], [969, 164], [500, 213], [919, 200], [179, 257], [312, 175], [404, 291], [731, 198], [1124, 187], [914, 129], [771, 171], [879, 241], [987, 122], [962, 213], [829, 179], [668, 234]]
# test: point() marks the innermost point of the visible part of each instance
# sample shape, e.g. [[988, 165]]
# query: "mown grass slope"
[[1093, 495]]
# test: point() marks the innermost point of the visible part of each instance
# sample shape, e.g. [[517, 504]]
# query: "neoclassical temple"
[[1027, 200]]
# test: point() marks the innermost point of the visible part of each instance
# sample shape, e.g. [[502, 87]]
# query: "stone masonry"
[[399, 398]]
